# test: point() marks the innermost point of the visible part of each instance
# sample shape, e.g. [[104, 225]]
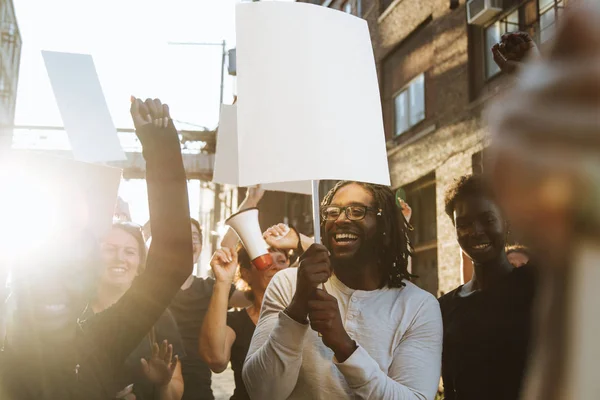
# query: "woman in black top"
[[218, 349], [123, 252], [487, 320], [49, 354]]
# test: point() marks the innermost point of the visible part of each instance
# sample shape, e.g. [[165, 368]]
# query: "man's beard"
[[365, 255]]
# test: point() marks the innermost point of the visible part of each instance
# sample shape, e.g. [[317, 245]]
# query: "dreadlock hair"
[[466, 185], [394, 248]]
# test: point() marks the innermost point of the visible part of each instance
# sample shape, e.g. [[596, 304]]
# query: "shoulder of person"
[[415, 295], [526, 276], [282, 287], [285, 276], [448, 299]]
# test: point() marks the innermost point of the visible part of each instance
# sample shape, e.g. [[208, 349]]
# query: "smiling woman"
[[123, 253], [487, 318]]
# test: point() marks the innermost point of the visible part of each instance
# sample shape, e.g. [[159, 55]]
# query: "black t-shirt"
[[486, 339], [164, 329], [243, 327], [189, 308], [131, 371]]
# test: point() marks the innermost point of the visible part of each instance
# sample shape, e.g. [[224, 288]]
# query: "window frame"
[[408, 90], [505, 22], [556, 7], [423, 243]]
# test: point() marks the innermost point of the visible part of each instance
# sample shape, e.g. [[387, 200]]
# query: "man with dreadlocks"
[[374, 335]]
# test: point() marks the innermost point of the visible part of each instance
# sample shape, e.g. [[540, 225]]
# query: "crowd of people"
[[123, 317]]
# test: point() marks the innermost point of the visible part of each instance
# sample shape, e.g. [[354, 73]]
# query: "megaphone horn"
[[245, 224]]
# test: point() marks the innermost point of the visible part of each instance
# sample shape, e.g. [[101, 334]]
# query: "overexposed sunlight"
[[30, 211]]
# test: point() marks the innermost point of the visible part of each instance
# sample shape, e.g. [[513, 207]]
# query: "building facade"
[[10, 58], [436, 73]]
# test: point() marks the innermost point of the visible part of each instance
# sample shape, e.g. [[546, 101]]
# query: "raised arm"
[[283, 237], [253, 197], [216, 338], [170, 261]]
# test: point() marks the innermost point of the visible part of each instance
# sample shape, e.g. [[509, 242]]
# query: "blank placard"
[[226, 169], [308, 97], [83, 108]]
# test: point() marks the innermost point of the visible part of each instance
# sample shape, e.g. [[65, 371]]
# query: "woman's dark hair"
[[135, 231], [197, 225], [465, 186], [245, 262], [394, 248]]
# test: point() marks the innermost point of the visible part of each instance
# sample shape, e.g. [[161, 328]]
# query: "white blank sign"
[[84, 112], [309, 105], [226, 169]]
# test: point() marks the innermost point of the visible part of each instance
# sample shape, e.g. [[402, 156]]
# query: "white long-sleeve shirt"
[[398, 332]]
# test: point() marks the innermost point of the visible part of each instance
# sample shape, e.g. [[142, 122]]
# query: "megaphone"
[[245, 224]]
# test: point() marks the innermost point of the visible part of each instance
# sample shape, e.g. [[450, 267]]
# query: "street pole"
[[217, 201]]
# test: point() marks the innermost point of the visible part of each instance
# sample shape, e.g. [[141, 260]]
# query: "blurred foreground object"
[[546, 172]]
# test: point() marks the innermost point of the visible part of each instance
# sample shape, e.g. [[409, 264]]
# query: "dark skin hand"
[[512, 51], [314, 269], [325, 318]]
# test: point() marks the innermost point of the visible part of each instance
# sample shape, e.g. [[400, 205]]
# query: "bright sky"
[[128, 40], [129, 43]]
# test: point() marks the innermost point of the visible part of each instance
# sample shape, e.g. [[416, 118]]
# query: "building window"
[[421, 197], [550, 11], [347, 7], [409, 105], [492, 36]]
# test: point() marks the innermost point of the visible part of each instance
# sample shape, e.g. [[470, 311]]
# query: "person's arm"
[[415, 370], [253, 197], [513, 50], [449, 393], [120, 328], [283, 237], [275, 355], [216, 338]]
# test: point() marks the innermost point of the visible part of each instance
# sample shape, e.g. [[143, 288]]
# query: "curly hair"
[[395, 249], [466, 185]]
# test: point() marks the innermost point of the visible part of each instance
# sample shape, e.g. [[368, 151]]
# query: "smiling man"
[[370, 334], [486, 320]]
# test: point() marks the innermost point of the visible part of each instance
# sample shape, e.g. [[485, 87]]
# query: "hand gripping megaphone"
[[245, 224]]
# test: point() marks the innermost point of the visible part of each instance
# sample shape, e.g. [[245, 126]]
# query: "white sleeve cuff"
[[359, 369], [289, 333]]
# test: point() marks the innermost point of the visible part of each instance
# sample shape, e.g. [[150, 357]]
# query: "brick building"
[[10, 58], [436, 73]]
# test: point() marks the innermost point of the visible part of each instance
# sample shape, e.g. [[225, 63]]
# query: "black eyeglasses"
[[353, 213]]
